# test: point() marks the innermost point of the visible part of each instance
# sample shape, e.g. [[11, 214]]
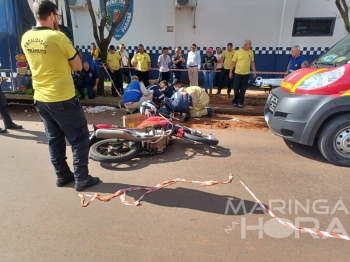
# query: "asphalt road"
[[184, 222]]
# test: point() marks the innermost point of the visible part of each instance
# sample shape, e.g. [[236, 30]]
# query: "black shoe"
[[240, 105], [89, 182], [210, 112], [183, 117], [13, 126], [217, 94], [234, 104], [63, 181], [2, 131], [114, 95], [82, 97]]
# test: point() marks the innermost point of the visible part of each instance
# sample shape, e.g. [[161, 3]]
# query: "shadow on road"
[[39, 137], [187, 198], [311, 152], [180, 150]]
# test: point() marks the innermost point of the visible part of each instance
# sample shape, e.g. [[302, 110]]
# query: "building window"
[[323, 26]]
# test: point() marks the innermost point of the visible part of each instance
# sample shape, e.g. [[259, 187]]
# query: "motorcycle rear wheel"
[[200, 138], [113, 151]]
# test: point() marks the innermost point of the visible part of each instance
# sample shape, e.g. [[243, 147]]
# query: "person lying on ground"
[[135, 93], [180, 102], [200, 100], [167, 89], [158, 96]]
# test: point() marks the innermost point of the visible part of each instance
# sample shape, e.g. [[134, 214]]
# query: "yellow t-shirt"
[[228, 58], [48, 53], [142, 61], [113, 60], [243, 59], [96, 53]]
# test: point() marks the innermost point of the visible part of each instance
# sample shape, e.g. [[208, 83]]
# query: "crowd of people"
[[62, 113], [219, 68]]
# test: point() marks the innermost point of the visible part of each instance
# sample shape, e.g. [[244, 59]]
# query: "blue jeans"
[[63, 120], [95, 65], [208, 80]]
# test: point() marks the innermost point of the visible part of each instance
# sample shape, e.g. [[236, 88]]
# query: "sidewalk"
[[112, 101]]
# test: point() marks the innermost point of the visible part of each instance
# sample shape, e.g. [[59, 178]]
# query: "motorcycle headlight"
[[322, 79]]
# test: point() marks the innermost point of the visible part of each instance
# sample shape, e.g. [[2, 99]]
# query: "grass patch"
[[22, 92]]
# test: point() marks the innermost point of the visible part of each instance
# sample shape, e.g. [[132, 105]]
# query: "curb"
[[99, 101]]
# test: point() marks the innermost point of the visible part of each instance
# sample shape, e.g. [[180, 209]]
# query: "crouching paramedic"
[[135, 93], [200, 100], [180, 102]]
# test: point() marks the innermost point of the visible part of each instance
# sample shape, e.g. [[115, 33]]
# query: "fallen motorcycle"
[[113, 144]]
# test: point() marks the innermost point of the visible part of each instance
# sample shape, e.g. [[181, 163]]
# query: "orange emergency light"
[[22, 64]]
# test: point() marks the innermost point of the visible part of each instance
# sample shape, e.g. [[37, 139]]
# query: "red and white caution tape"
[[122, 192], [199, 70], [290, 225]]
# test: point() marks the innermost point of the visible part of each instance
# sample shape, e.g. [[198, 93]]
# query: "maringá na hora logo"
[[114, 9]]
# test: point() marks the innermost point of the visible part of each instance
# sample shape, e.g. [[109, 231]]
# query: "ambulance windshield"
[[339, 54]]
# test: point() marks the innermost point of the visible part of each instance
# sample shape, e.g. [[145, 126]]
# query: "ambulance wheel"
[[113, 151], [334, 141]]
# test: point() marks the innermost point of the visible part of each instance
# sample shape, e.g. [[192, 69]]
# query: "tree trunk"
[[102, 42], [344, 13], [101, 86]]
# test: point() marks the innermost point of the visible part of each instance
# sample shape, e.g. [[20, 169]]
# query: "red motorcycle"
[[113, 144]]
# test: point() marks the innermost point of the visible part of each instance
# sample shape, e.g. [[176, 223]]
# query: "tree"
[[99, 33], [344, 12]]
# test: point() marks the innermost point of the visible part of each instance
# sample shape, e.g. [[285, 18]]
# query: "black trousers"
[[90, 89], [240, 86], [62, 120], [143, 76], [116, 76], [164, 76], [3, 109], [225, 77]]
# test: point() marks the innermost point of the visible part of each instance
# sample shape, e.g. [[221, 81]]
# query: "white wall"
[[217, 23], [319, 8]]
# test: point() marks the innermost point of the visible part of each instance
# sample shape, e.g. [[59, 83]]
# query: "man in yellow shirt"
[[142, 63], [242, 61], [95, 53], [226, 59], [113, 64], [52, 58]]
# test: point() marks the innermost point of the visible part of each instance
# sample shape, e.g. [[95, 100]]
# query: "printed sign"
[[114, 9]]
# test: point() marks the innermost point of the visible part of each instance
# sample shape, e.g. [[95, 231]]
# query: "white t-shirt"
[[125, 56], [219, 58], [164, 63]]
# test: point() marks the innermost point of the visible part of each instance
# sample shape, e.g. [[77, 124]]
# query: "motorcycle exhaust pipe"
[[114, 133]]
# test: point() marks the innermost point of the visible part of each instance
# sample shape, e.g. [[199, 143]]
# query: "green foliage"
[[108, 17]]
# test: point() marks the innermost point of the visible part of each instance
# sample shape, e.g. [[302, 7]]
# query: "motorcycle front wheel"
[[200, 138], [113, 151]]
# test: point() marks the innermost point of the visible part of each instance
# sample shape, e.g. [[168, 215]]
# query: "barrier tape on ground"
[[122, 192], [290, 225]]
